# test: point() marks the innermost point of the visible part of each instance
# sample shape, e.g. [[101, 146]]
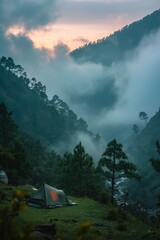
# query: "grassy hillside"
[[101, 221]]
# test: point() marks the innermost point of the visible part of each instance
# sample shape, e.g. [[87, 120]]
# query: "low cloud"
[[109, 99], [93, 148], [60, 51], [142, 71]]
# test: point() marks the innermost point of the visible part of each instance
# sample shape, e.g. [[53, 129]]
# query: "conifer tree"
[[156, 162], [8, 127], [115, 165]]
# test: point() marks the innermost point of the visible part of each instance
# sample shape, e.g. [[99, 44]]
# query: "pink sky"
[[82, 21]]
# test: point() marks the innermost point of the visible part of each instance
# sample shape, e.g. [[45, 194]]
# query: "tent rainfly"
[[49, 197]]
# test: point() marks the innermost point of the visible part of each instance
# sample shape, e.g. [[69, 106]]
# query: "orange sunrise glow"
[[73, 35]]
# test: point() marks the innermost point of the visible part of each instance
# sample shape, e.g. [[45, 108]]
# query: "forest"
[[39, 144]]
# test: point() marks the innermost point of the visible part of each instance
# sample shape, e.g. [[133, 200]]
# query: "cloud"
[[60, 50], [104, 11], [110, 99], [82, 40], [93, 148], [87, 88], [137, 77], [142, 71], [4, 44], [30, 14]]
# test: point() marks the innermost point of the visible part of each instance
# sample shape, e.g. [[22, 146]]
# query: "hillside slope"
[[49, 121], [115, 47], [87, 220], [143, 149]]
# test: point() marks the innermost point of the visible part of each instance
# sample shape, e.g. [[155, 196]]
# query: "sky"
[[73, 22], [38, 35]]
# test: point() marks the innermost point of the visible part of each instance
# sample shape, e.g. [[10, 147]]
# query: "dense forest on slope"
[[52, 121], [140, 152], [26, 160], [115, 47], [49, 121]]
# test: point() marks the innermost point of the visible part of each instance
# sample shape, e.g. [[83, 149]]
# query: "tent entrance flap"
[[54, 196]]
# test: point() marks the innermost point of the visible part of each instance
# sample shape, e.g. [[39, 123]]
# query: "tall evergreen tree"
[[21, 166], [143, 116], [136, 129], [156, 165], [156, 162], [115, 165], [8, 128], [78, 174]]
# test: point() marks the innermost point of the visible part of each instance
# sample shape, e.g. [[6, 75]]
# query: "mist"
[[109, 99]]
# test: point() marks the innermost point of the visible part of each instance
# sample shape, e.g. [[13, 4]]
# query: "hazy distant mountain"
[[115, 47], [49, 121], [143, 149], [110, 50]]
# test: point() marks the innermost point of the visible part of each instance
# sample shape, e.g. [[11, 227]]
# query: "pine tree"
[[8, 128], [115, 165], [156, 162], [78, 174]]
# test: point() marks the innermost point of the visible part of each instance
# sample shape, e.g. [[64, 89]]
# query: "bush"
[[122, 214], [115, 214], [8, 214], [121, 226], [104, 197], [112, 215]]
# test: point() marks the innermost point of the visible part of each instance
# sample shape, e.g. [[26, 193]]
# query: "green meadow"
[[87, 220]]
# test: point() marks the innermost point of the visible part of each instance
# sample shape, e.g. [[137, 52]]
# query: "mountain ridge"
[[113, 48], [33, 111]]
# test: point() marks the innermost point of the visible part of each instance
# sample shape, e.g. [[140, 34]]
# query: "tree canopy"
[[115, 165]]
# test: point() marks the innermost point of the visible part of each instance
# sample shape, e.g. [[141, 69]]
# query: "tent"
[[49, 197]]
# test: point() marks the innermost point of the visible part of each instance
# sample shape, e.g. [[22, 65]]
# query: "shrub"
[[112, 215], [121, 226], [104, 197], [122, 214]]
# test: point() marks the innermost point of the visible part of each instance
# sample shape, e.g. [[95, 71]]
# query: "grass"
[[69, 220]]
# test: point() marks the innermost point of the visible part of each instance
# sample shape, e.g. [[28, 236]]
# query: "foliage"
[[115, 166], [122, 226], [20, 164], [136, 129], [8, 225], [156, 165], [156, 162], [117, 214], [86, 220], [112, 215], [8, 128], [143, 116], [118, 44], [13, 157], [54, 116], [104, 197], [78, 176], [25, 160], [84, 228]]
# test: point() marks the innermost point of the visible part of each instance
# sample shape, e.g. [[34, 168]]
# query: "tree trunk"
[[113, 180]]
